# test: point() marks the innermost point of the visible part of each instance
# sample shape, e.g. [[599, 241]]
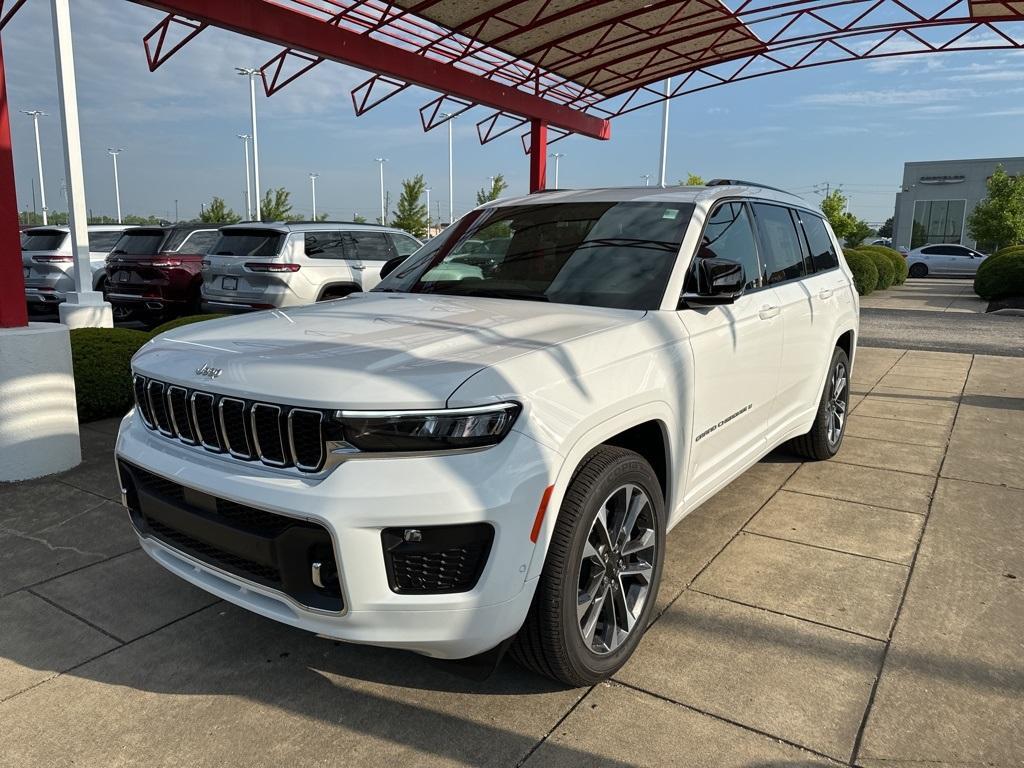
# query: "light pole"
[[647, 179], [117, 186], [312, 182], [248, 198], [251, 73], [664, 130], [558, 156], [451, 174], [383, 213], [427, 190], [35, 114]]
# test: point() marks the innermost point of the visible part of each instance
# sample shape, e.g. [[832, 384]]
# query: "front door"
[[736, 349]]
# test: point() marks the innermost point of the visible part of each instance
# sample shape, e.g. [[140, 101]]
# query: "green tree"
[[275, 206], [833, 205], [411, 213], [358, 218], [693, 180], [998, 220], [860, 232], [498, 185], [217, 212], [886, 229]]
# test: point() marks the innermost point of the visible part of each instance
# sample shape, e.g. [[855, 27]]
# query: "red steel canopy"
[[571, 65]]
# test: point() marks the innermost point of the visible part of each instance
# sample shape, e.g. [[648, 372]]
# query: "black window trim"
[[745, 201], [807, 242], [762, 246]]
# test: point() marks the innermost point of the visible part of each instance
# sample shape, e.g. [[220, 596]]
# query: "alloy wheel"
[[838, 399], [616, 569]]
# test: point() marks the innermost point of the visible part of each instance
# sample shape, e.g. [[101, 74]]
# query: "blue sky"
[[850, 124]]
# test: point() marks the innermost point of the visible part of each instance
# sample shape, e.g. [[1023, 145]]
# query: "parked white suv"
[[47, 261], [459, 459], [262, 266]]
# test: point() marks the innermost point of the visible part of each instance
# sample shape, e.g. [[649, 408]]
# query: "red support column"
[[538, 155], [13, 313]]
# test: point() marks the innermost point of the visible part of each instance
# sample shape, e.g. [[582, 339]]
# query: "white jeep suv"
[[464, 459], [287, 264], [47, 261]]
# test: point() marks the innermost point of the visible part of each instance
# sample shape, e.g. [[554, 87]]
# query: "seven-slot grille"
[[277, 435]]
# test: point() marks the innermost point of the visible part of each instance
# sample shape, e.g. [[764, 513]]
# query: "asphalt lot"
[[863, 611]]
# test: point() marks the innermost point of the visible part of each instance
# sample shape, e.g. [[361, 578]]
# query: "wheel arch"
[[341, 288], [644, 429]]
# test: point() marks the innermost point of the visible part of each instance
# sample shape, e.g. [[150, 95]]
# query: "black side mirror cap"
[[391, 265], [713, 282]]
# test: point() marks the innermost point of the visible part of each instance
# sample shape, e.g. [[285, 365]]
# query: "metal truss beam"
[[156, 39], [301, 31]]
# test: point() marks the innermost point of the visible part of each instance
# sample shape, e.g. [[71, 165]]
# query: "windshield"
[[600, 254], [42, 240], [248, 242], [103, 242], [144, 242]]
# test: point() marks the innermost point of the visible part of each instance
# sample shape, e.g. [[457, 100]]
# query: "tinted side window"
[[729, 235], [200, 241], [823, 253], [103, 242], [404, 244], [784, 256], [371, 246], [327, 245], [934, 251]]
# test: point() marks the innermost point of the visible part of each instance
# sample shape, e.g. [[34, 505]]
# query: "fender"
[[654, 411]]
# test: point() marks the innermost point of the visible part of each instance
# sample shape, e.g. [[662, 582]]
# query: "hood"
[[370, 350]]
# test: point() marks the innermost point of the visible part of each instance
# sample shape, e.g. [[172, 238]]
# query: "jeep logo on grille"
[[208, 371]]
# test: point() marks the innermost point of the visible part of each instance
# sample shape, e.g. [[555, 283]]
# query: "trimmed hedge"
[[901, 269], [886, 270], [101, 358], [170, 325], [865, 273], [1000, 276], [1008, 249]]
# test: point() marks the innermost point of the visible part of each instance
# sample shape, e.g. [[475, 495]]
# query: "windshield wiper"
[[658, 245], [498, 293]]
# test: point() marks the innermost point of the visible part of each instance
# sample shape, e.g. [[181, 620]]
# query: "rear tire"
[[597, 591], [918, 270], [826, 436]]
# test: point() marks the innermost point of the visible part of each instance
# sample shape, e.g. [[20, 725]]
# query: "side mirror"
[[391, 265], [713, 281]]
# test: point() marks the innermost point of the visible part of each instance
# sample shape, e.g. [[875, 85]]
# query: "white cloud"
[[888, 97]]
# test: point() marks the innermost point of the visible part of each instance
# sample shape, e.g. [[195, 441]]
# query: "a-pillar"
[[538, 155], [38, 420]]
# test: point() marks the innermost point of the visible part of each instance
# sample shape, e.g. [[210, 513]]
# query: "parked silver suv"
[[47, 260], [262, 266]]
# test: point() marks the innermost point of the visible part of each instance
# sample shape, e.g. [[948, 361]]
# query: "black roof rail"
[[741, 183]]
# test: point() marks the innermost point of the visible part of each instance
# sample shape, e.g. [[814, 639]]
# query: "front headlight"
[[448, 429]]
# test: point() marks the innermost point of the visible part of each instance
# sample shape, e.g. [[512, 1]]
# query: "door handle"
[[357, 266], [825, 293], [767, 312]]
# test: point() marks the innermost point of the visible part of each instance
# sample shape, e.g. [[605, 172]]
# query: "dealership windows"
[[937, 221]]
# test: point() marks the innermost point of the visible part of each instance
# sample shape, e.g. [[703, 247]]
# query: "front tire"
[[826, 436], [918, 270], [600, 580]]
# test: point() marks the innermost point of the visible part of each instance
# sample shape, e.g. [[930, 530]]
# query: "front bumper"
[[355, 501]]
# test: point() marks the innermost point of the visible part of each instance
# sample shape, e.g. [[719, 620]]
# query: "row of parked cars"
[[154, 273]]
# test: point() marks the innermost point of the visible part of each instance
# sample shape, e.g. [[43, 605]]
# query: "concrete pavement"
[[867, 610], [928, 294]]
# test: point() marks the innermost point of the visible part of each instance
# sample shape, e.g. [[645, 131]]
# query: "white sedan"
[[944, 259]]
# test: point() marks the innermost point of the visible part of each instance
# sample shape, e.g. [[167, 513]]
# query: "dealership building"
[[938, 196]]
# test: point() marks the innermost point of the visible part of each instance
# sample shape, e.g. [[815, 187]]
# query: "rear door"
[[737, 348], [370, 252], [225, 274], [331, 259], [803, 322]]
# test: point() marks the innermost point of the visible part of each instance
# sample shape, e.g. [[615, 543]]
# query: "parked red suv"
[[155, 273]]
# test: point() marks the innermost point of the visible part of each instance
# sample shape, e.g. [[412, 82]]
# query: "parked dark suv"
[[155, 273]]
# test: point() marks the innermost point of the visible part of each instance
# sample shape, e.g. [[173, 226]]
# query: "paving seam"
[[872, 638], [853, 501], [731, 538], [827, 549], [29, 587], [105, 653], [555, 727], [837, 460], [906, 588], [721, 719], [85, 490], [74, 615]]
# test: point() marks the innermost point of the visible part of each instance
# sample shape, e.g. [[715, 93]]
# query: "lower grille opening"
[[295, 557], [439, 559]]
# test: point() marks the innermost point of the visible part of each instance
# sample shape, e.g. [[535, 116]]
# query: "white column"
[[35, 115], [312, 180], [664, 130], [451, 175], [117, 183], [248, 183], [84, 307], [257, 214], [428, 211]]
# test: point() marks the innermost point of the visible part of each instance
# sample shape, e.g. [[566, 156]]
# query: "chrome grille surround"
[[269, 439]]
